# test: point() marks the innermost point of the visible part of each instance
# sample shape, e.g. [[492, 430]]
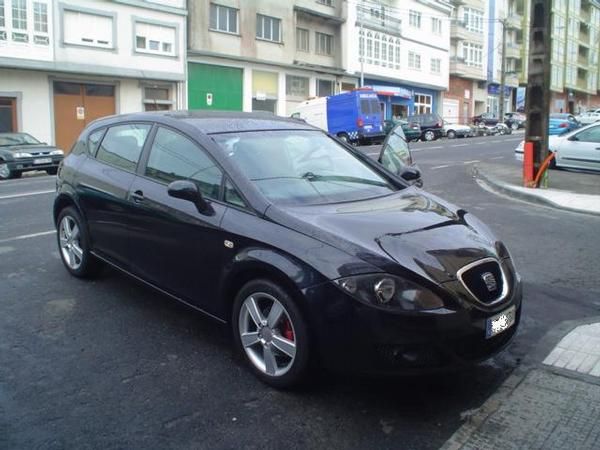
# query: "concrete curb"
[[508, 189], [475, 418]]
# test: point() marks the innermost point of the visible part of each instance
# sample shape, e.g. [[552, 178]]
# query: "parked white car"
[[578, 149], [453, 130], [589, 117]]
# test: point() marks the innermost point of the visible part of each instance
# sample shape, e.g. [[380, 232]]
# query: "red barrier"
[[528, 172]]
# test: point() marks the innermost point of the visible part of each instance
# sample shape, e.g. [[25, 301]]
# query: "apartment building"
[[63, 64], [467, 93], [264, 55], [400, 49]]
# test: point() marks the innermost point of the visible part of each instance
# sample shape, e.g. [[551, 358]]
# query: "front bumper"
[[359, 338], [28, 164]]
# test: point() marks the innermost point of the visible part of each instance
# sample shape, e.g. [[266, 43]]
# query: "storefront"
[[401, 101]]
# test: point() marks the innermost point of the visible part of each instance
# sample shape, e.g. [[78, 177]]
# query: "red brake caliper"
[[286, 330]]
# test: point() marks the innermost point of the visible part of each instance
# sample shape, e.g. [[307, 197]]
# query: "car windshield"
[[295, 167], [7, 139]]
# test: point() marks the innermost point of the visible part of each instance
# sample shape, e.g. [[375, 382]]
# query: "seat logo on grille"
[[490, 281]]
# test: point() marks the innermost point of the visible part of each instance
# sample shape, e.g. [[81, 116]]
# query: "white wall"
[[33, 109]]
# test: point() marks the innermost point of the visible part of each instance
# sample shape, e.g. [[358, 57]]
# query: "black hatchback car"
[[310, 250]]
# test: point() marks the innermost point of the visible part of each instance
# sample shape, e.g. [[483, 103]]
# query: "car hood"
[[29, 148], [409, 231]]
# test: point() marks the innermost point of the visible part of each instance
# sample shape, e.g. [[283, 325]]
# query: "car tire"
[[52, 171], [6, 173], [451, 134], [74, 244], [429, 136], [344, 138], [514, 126], [552, 163], [278, 352]]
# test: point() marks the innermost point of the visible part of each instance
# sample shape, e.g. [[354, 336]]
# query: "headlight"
[[22, 155], [57, 152], [389, 291]]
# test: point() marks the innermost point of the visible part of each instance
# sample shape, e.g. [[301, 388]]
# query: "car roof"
[[213, 122]]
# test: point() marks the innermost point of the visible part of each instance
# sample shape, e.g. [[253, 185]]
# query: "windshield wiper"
[[310, 176]]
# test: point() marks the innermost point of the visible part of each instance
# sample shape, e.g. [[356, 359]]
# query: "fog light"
[[385, 290]]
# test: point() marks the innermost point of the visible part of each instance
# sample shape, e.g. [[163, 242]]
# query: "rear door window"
[[122, 145]]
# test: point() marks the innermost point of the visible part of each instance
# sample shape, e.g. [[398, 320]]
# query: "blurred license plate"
[[500, 322], [368, 127], [519, 156], [42, 161]]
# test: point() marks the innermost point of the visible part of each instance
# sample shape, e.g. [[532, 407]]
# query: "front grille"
[[484, 280], [40, 153]]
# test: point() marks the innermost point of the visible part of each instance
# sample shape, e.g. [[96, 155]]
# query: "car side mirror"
[[573, 138], [187, 190], [410, 174]]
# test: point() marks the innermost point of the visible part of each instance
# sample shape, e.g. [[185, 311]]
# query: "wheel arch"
[[61, 202]]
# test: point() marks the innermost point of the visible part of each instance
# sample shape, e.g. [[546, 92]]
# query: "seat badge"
[[490, 281], [229, 244]]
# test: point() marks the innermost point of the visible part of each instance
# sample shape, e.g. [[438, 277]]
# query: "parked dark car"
[[515, 120], [572, 121], [21, 152], [485, 119], [431, 125], [307, 248], [412, 131]]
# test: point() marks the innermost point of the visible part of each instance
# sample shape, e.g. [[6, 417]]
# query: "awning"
[[392, 91]]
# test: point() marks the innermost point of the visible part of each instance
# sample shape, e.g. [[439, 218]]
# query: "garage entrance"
[[76, 105]]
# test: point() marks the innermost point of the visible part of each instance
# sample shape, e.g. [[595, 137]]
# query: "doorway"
[[8, 115], [76, 105]]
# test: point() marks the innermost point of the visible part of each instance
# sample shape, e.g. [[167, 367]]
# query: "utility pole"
[[503, 69], [361, 50], [537, 102]]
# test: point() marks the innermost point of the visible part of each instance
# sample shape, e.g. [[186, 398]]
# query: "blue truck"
[[353, 116]]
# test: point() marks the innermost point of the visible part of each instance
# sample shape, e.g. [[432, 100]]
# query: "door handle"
[[137, 196]]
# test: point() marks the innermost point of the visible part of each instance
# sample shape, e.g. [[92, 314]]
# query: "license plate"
[[368, 127], [42, 161], [519, 156], [500, 322]]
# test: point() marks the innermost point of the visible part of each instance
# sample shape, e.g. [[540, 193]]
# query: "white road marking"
[[459, 145], [498, 157], [471, 162], [26, 194], [495, 142], [441, 167], [27, 236]]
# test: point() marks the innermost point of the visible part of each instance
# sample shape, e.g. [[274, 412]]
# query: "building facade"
[[63, 64], [400, 49], [264, 55], [467, 93]]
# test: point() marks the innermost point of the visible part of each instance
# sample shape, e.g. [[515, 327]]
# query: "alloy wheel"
[[429, 136], [70, 242], [267, 334], [4, 171]]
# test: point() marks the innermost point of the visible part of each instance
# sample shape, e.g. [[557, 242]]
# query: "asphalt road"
[[111, 364]]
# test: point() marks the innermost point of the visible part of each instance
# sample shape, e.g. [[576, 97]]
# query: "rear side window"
[[122, 145], [94, 140], [175, 157]]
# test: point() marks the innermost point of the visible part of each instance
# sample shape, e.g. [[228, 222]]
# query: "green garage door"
[[214, 87]]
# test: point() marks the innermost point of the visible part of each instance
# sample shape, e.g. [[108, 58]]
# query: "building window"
[[323, 44], [436, 25], [376, 50], [19, 14], [423, 103], [87, 29], [158, 39], [414, 19], [414, 60], [369, 48], [157, 98], [473, 20], [223, 18], [302, 40], [2, 16], [436, 65], [325, 2], [296, 86], [472, 54], [324, 88], [268, 28]]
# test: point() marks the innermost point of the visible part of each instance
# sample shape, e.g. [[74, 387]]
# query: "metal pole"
[[364, 45], [503, 70]]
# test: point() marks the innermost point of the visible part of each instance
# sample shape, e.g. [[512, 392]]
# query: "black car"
[[485, 119], [21, 152], [515, 120], [432, 125], [309, 250]]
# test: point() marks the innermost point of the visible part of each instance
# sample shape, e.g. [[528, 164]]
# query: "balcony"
[[514, 21], [460, 33], [460, 69], [511, 79], [514, 51]]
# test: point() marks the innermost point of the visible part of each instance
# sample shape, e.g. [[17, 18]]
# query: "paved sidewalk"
[[551, 402], [568, 190]]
